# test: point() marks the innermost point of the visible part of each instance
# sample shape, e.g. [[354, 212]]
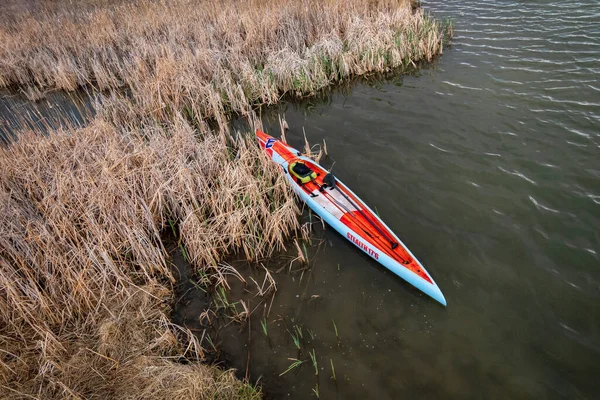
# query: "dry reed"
[[210, 59], [85, 287], [84, 282]]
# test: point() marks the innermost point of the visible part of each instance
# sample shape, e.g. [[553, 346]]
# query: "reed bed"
[[85, 282], [211, 59]]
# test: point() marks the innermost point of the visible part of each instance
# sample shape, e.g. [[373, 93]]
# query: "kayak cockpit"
[[343, 205]]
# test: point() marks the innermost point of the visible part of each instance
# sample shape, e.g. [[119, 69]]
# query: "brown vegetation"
[[85, 282], [84, 278], [213, 58]]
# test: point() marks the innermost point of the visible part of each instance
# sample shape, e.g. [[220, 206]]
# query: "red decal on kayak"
[[363, 246]]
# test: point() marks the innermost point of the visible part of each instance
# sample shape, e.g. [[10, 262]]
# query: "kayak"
[[337, 205]]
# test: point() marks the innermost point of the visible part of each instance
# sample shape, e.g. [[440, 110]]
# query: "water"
[[56, 109], [487, 166]]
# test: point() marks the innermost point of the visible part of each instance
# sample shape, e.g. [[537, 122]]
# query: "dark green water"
[[487, 165]]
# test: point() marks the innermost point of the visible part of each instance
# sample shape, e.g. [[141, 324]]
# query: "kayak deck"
[[344, 206], [337, 205]]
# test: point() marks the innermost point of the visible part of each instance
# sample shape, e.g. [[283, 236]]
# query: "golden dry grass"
[[84, 277], [214, 58], [85, 285]]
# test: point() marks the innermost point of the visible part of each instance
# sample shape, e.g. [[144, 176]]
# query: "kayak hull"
[[373, 238], [394, 266]]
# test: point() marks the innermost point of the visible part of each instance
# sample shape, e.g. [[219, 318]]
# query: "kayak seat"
[[302, 172]]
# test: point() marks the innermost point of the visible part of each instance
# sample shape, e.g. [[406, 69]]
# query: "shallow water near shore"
[[486, 166]]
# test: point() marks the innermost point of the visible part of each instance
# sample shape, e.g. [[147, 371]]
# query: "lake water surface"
[[487, 165]]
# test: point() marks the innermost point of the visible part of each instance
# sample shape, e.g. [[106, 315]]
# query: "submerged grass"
[[295, 339], [313, 358], [85, 284], [332, 370], [263, 324], [293, 365]]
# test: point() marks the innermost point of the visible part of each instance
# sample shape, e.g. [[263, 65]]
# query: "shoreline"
[[85, 205]]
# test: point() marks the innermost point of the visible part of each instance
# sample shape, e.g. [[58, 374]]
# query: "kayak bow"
[[346, 213]]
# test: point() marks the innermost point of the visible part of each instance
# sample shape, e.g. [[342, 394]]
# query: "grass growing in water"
[[295, 338], [336, 330], [263, 324], [83, 209], [313, 358], [316, 390], [294, 365], [332, 370], [298, 329]]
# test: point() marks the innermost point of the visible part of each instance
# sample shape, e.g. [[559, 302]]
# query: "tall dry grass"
[[85, 284], [84, 278], [209, 58]]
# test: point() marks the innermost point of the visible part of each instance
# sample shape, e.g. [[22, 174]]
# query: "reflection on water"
[[53, 110]]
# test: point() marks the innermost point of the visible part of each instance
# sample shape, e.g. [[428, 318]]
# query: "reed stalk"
[[82, 264], [313, 358], [292, 366]]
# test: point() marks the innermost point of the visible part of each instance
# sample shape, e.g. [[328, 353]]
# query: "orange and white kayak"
[[346, 213]]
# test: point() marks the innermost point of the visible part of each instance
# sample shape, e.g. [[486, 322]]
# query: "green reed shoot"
[[263, 324], [197, 285], [311, 333], [223, 302], [293, 365], [336, 330], [296, 339], [222, 298], [332, 370], [305, 251], [172, 227], [183, 253], [313, 358], [204, 278], [210, 341], [299, 330], [316, 390]]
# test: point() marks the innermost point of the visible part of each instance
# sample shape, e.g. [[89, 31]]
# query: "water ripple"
[[439, 148], [519, 174], [541, 206], [458, 85]]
